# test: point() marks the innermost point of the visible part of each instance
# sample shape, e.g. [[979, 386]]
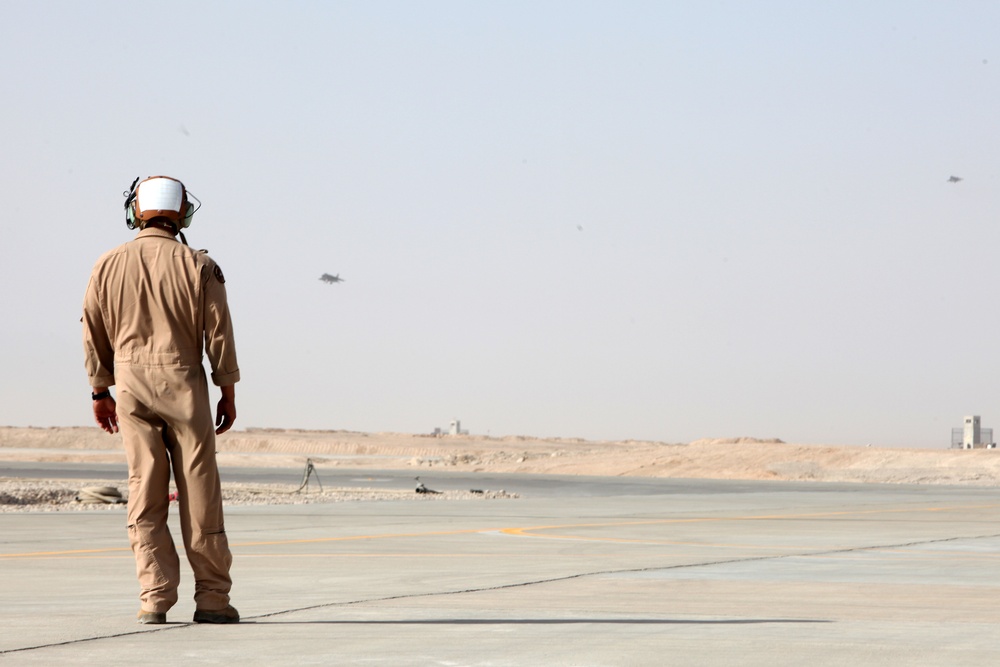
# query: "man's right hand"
[[106, 414]]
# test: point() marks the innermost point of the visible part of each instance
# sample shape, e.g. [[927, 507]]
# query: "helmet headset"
[[159, 197]]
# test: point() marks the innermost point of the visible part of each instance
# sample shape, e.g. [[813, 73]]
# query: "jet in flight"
[[327, 278]]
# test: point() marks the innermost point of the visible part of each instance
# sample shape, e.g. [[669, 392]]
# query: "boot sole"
[[219, 619]]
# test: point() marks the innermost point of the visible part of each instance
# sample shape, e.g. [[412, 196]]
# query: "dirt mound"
[[737, 441], [708, 458]]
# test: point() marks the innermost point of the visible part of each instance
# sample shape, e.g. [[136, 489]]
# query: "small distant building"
[[455, 428], [972, 435], [971, 432]]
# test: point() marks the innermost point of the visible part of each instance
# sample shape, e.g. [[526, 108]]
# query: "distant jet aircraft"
[[327, 278], [954, 179]]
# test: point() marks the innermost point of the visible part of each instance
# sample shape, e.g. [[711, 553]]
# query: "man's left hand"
[[225, 414]]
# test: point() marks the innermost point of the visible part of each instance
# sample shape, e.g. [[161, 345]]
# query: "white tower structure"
[[456, 427], [971, 432]]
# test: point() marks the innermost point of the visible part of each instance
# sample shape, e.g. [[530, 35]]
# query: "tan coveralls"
[[151, 306]]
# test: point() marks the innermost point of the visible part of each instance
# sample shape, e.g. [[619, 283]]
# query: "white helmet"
[[159, 197]]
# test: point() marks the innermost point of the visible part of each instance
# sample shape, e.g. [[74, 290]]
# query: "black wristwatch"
[[104, 394]]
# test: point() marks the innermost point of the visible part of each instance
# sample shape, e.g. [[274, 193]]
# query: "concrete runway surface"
[[578, 571]]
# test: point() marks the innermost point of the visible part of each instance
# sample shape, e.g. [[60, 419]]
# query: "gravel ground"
[[18, 495]]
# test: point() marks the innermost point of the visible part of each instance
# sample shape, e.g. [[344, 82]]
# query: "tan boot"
[[151, 617], [227, 615]]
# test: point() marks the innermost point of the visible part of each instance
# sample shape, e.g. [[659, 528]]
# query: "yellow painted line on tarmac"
[[870, 554], [72, 552], [345, 538], [673, 543], [529, 530], [368, 554], [352, 538]]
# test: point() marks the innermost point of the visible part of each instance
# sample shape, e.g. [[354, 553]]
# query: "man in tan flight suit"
[[151, 308]]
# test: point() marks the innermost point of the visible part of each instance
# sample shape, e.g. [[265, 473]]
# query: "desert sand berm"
[[744, 458]]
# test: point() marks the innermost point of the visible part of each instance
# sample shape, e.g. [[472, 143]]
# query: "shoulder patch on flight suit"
[[218, 275]]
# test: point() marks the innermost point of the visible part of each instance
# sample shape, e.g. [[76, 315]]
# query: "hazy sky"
[[609, 220]]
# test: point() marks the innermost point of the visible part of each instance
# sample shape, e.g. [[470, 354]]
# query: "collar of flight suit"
[[155, 231]]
